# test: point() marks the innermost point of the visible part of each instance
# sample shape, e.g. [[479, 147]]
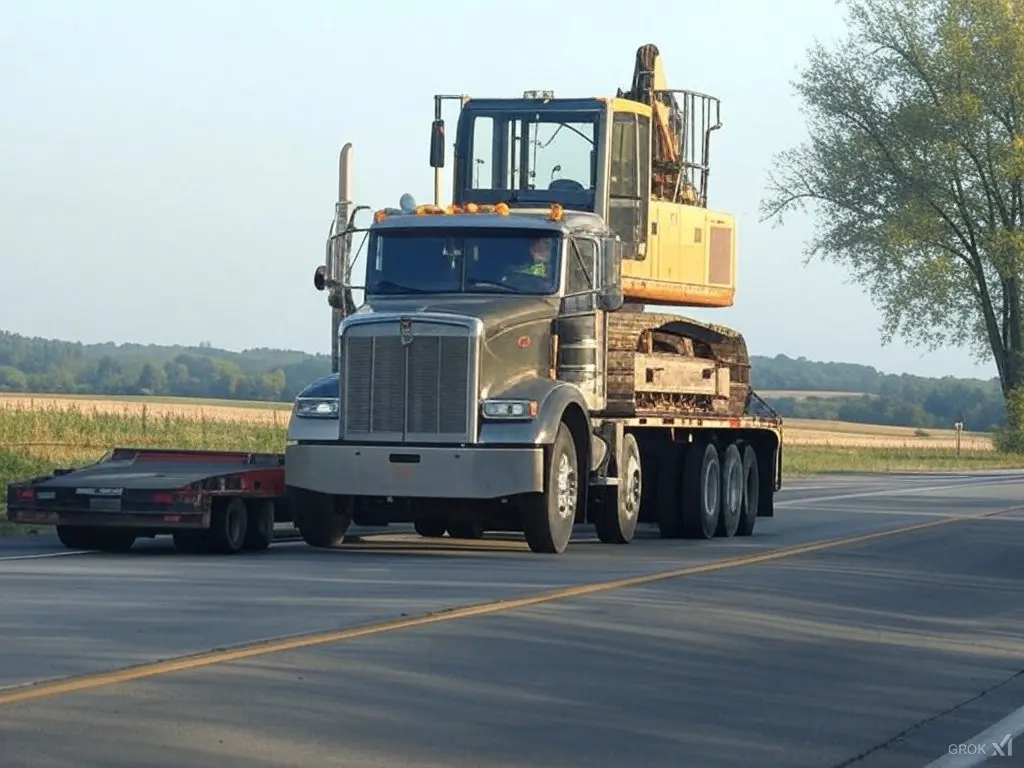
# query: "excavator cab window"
[[526, 152], [521, 153]]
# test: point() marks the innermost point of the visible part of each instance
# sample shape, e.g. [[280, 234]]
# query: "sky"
[[168, 170]]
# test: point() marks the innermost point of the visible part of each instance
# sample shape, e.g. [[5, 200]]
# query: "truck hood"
[[498, 312]]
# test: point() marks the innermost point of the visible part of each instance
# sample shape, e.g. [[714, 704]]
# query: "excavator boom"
[[676, 157]]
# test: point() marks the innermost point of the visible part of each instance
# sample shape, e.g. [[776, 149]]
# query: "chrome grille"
[[410, 392]]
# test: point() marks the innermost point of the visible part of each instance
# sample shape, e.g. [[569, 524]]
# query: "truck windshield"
[[462, 261]]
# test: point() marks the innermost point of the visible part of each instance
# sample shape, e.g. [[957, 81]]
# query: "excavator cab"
[[639, 160]]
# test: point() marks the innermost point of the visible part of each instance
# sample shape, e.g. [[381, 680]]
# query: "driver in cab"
[[539, 264]]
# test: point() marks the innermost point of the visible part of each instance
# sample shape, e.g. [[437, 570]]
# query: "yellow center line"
[[43, 690]]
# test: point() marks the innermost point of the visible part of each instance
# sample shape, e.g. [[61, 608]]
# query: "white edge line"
[[888, 492], [1012, 725]]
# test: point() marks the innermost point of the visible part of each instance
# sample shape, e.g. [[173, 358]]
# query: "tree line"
[[49, 366], [901, 400]]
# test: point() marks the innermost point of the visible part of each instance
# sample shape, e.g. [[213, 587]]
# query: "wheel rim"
[[633, 490], [711, 489], [566, 487]]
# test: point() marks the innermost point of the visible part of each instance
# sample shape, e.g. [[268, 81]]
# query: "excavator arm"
[[674, 148]]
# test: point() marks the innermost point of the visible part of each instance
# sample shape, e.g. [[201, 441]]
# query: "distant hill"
[[845, 391]]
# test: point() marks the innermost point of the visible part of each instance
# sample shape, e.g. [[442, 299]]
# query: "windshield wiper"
[[391, 287], [489, 284]]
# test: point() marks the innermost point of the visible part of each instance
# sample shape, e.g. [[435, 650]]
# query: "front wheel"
[[548, 517]]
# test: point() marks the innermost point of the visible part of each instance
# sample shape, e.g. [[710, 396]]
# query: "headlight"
[[316, 407], [509, 409]]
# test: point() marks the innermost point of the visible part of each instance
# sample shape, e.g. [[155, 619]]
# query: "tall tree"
[[915, 166]]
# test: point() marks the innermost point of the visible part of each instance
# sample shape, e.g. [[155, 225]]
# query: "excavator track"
[[633, 332]]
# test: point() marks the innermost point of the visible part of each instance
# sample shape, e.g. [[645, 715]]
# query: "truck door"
[[581, 326]]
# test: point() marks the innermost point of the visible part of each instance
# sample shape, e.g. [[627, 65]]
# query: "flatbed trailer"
[[208, 501]]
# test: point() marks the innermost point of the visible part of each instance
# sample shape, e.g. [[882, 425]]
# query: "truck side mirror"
[[610, 297], [437, 144]]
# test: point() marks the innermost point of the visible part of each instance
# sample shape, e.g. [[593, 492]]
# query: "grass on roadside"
[[799, 460]]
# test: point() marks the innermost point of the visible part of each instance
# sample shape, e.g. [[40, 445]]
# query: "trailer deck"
[[208, 500]]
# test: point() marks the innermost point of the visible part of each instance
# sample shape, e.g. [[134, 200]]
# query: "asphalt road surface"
[[874, 622]]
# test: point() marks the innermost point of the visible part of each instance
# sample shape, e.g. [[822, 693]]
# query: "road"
[[875, 622]]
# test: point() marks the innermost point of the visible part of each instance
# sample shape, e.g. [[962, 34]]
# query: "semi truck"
[[503, 371]]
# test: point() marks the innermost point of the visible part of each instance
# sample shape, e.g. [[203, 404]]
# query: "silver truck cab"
[[466, 380]]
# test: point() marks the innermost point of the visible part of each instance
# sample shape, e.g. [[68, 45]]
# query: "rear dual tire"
[[715, 494], [731, 493], [751, 492], [618, 511], [701, 495]]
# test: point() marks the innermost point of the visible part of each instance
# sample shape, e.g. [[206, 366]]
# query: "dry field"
[[158, 408], [844, 434]]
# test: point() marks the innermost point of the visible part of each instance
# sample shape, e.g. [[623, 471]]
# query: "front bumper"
[[414, 471]]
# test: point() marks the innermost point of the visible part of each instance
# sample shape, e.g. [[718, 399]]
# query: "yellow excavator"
[[687, 252], [640, 161]]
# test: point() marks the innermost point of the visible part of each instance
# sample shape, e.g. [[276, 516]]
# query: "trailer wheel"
[[259, 531], [548, 517], [615, 518], [751, 492], [429, 527], [321, 519], [702, 491], [732, 491], [228, 526], [465, 529]]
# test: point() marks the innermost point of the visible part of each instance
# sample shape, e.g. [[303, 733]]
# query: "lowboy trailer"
[[209, 501]]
